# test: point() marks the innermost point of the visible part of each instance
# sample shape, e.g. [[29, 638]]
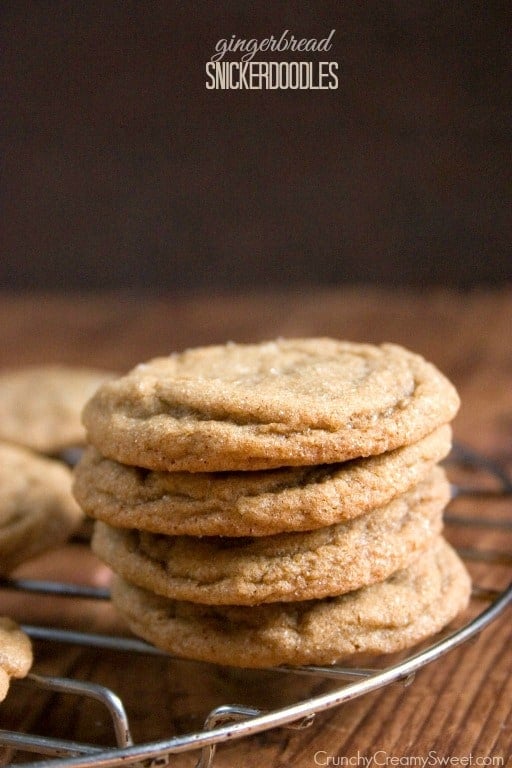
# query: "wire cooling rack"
[[229, 722]]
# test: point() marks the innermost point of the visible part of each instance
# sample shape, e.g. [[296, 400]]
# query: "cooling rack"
[[230, 722]]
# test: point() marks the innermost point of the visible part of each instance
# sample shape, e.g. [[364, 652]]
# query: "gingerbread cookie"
[[40, 406], [37, 509], [260, 406], [251, 503]]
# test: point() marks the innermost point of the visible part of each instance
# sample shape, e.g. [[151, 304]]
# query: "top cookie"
[[260, 406], [40, 406]]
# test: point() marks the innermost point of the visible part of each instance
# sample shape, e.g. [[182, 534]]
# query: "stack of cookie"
[[275, 503]]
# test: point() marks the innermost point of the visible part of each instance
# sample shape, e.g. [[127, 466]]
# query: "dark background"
[[122, 171]]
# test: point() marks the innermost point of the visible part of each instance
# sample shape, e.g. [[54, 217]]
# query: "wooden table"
[[458, 709]]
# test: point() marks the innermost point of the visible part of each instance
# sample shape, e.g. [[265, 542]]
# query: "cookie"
[[284, 567], [260, 406], [40, 406], [408, 607], [15, 653], [37, 509], [250, 503]]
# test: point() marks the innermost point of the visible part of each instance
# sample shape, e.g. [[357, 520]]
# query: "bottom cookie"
[[408, 607]]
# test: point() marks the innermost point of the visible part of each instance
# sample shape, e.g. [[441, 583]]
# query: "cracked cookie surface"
[[250, 503], [408, 607], [290, 402], [284, 567]]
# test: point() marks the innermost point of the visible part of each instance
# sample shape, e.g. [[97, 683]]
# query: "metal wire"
[[227, 723]]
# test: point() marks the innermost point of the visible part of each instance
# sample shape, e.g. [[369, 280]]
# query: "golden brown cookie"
[[40, 406], [408, 607], [260, 406], [284, 567], [250, 503], [15, 653], [37, 509]]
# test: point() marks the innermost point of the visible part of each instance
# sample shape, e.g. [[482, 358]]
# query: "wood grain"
[[457, 709]]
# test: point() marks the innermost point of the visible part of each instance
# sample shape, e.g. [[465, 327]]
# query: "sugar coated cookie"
[[251, 503], [40, 406], [288, 402], [37, 509]]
